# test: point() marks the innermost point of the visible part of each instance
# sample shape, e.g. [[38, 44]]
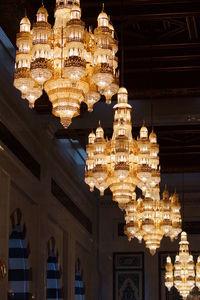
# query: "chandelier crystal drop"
[[183, 275], [72, 64], [122, 164]]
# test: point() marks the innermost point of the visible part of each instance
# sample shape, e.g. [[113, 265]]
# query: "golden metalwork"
[[71, 64], [122, 164]]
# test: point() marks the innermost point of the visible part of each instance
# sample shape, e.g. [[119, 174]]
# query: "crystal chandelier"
[[150, 218], [182, 274], [122, 164], [71, 64], [110, 162]]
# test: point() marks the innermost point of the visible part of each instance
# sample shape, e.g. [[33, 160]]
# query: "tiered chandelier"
[[150, 218], [182, 274], [71, 64], [123, 163]]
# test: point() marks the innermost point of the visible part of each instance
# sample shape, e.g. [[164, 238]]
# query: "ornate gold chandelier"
[[71, 64], [123, 163], [150, 218], [182, 274]]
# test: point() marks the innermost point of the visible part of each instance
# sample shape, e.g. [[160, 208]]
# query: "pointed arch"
[[79, 284], [18, 264], [53, 291]]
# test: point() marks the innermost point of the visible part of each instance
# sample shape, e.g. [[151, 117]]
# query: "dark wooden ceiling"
[[179, 145], [161, 44]]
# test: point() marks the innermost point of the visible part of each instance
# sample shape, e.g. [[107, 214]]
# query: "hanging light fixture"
[[122, 164], [182, 274], [109, 162], [71, 64], [150, 218]]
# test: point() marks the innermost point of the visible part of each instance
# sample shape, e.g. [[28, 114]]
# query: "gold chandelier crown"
[[25, 25], [71, 64], [42, 14], [122, 164], [103, 19]]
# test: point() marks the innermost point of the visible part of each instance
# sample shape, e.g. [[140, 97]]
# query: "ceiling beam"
[[179, 145], [192, 28], [161, 131], [144, 10]]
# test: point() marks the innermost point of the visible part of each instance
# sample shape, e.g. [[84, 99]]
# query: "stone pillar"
[[71, 266], [43, 199], [4, 227], [65, 272]]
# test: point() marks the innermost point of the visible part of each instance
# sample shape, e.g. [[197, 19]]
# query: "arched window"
[[54, 290], [19, 271], [79, 285]]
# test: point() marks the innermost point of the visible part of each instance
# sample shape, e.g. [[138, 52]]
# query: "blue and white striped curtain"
[[79, 287], [54, 291], [19, 271]]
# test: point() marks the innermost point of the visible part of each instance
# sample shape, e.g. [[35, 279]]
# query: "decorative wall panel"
[[128, 276]]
